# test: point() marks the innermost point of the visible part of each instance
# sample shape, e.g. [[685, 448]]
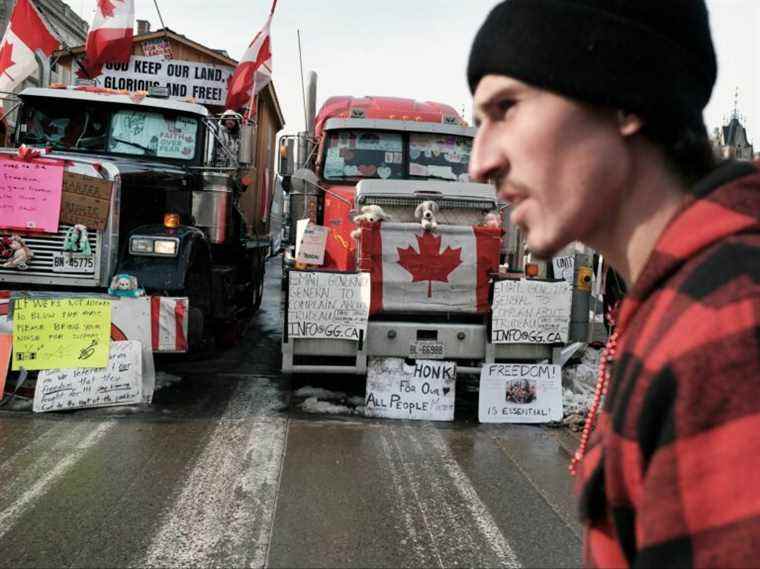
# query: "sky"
[[415, 49]]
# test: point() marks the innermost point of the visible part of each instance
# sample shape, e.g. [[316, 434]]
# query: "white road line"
[[36, 489], [225, 511], [478, 510], [435, 494]]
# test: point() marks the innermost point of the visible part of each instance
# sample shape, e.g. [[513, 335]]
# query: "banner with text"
[[120, 383], [531, 312], [520, 393], [328, 305], [204, 82], [424, 391]]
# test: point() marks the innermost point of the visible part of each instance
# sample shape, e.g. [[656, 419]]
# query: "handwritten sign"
[[328, 305], [159, 48], [85, 200], [204, 82], [520, 393], [311, 244], [120, 383], [424, 391], [30, 194], [61, 333], [531, 312], [564, 268]]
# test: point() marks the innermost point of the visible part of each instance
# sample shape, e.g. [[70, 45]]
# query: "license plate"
[[428, 350], [78, 264]]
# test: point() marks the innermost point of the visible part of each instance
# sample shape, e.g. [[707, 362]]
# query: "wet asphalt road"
[[224, 470]]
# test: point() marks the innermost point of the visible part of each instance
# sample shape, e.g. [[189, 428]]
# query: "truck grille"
[[43, 246], [451, 212]]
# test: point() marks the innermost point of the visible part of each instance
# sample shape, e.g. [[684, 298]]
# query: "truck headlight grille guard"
[[415, 201]]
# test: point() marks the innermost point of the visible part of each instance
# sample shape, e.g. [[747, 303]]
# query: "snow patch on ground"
[[314, 405], [320, 393], [578, 386], [164, 379]]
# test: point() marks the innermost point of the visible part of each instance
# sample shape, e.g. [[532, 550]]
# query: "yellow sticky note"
[[61, 333]]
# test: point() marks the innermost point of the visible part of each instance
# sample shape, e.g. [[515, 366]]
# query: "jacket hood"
[[725, 203]]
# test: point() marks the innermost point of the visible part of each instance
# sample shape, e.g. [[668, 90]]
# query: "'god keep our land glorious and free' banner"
[[61, 333], [206, 83], [520, 393], [328, 305], [531, 312]]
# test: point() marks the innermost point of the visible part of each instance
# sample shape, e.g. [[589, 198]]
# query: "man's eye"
[[504, 105]]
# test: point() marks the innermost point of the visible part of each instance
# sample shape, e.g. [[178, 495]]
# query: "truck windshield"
[[439, 156], [353, 154], [100, 128], [364, 154]]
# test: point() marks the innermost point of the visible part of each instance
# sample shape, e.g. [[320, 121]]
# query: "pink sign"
[[30, 194]]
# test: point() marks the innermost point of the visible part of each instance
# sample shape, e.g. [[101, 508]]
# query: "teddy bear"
[[369, 214], [492, 219], [425, 212], [21, 257]]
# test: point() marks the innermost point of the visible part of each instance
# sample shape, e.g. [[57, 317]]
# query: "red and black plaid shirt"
[[672, 475]]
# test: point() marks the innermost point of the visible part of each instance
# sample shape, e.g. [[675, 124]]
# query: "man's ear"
[[629, 123]]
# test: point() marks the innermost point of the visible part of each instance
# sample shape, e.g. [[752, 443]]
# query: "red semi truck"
[[430, 290]]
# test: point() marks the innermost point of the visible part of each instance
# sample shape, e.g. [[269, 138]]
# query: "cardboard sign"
[[312, 243], [85, 200], [531, 312], [61, 333], [328, 305], [520, 393], [425, 391], [564, 268], [120, 383], [30, 194], [204, 82]]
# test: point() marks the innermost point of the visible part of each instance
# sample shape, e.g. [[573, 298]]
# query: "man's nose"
[[486, 159]]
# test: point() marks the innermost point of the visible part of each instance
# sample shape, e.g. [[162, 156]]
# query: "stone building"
[[63, 21], [732, 141]]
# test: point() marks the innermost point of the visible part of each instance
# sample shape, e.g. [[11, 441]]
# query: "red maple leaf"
[[6, 53], [106, 7], [430, 264]]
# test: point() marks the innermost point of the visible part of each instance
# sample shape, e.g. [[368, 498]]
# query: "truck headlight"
[[143, 245], [140, 245], [165, 247]]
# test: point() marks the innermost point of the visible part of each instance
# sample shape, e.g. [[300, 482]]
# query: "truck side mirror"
[[287, 164]]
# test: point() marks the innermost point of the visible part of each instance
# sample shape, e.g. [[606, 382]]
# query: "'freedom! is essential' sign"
[[204, 82]]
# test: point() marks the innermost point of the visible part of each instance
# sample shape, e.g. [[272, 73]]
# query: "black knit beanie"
[[652, 57]]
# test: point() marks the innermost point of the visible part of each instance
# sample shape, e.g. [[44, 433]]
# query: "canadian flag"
[[416, 270], [110, 37], [254, 72], [27, 33]]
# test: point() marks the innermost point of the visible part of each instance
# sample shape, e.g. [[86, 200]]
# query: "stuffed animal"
[[125, 285], [21, 257], [76, 241], [369, 214], [425, 212], [492, 219]]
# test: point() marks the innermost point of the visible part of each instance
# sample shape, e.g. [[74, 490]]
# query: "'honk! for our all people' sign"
[[206, 83]]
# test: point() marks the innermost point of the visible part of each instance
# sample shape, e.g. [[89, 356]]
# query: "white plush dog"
[[492, 219], [425, 212], [370, 214]]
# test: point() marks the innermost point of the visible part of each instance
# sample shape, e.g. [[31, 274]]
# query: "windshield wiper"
[[149, 151]]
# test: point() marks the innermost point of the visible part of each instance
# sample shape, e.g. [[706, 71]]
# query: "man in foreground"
[[590, 124]]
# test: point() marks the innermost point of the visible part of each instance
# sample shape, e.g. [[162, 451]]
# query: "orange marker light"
[[171, 220], [531, 270]]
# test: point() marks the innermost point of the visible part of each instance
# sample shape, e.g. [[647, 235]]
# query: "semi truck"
[[430, 290], [180, 223]]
